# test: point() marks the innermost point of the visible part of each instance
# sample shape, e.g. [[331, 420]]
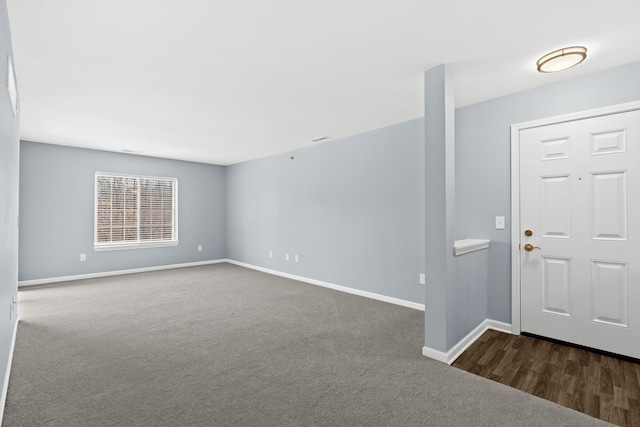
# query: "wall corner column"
[[440, 205]]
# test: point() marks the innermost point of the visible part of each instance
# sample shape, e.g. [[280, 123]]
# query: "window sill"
[[118, 246]]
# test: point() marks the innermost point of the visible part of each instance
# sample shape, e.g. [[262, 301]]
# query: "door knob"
[[529, 247]]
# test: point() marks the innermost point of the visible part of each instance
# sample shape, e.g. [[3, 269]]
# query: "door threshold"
[[582, 347]]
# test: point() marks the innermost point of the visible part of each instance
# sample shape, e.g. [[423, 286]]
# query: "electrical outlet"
[[199, 248], [83, 257], [286, 257], [296, 258], [423, 279], [270, 254]]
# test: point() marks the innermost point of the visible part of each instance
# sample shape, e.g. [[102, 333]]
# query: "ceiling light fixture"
[[562, 59]]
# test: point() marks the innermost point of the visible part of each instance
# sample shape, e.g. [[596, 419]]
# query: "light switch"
[[499, 223]]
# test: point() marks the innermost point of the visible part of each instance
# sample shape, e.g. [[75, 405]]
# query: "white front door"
[[580, 203]]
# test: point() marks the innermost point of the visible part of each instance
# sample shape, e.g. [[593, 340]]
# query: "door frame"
[[515, 190]]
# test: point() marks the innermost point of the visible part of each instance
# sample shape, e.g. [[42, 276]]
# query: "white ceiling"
[[226, 81]]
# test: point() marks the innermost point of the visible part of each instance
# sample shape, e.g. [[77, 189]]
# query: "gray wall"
[[483, 165], [9, 174], [468, 303], [57, 211], [351, 208]]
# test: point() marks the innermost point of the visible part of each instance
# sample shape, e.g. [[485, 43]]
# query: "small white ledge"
[[469, 245]]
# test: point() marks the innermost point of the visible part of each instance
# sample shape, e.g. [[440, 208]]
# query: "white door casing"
[[576, 186]]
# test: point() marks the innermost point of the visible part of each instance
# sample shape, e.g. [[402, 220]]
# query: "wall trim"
[[515, 189], [384, 298], [450, 356], [26, 283], [7, 373], [465, 246], [379, 297]]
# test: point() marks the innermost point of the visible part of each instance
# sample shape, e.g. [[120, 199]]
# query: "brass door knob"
[[529, 247]]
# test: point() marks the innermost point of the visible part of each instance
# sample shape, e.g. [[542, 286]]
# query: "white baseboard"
[[115, 273], [397, 301], [7, 373], [450, 356], [435, 354], [335, 287]]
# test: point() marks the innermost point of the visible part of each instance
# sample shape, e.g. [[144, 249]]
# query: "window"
[[135, 211]]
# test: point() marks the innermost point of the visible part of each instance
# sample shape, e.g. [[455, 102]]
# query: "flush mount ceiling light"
[[562, 59]]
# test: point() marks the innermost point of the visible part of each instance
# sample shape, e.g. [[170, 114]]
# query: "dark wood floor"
[[601, 386]]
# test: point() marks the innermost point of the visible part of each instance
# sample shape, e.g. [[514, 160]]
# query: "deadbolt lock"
[[528, 233]]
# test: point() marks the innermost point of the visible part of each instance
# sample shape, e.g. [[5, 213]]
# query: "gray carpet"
[[223, 345]]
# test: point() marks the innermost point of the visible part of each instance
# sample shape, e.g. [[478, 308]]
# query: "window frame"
[[111, 246]]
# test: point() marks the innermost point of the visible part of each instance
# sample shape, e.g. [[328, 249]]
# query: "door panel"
[[609, 142], [555, 206], [556, 285], [610, 292], [609, 205], [580, 196]]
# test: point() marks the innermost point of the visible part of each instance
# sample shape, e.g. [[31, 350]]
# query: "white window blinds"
[[135, 211]]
